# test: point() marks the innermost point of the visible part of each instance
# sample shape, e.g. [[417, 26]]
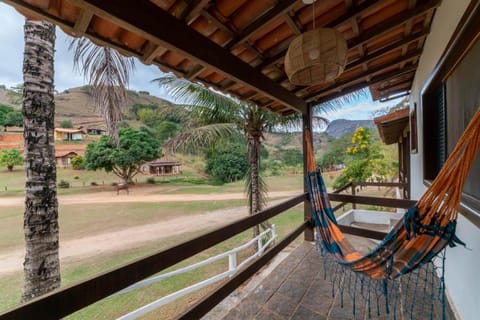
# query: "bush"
[[76, 177], [151, 180], [227, 163], [64, 184], [78, 163], [94, 183]]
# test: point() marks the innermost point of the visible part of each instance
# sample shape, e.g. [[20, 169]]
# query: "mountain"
[[338, 128]]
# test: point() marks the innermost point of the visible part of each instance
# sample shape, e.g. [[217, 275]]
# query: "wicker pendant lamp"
[[316, 56]]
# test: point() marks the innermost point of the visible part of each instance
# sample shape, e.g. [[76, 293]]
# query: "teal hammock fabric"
[[412, 244]]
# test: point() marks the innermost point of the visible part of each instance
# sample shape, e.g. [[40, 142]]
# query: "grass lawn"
[[117, 305]]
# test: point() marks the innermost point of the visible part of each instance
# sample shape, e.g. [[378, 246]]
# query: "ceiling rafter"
[[154, 24], [352, 12], [365, 74], [357, 86], [82, 23], [292, 24], [371, 33], [276, 12], [34, 11], [193, 10]]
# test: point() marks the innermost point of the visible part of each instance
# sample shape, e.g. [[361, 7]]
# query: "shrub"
[[93, 183], [78, 163], [76, 177], [64, 184], [227, 163], [151, 180]]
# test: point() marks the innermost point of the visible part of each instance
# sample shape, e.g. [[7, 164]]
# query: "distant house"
[[63, 134], [96, 131], [63, 159], [161, 167]]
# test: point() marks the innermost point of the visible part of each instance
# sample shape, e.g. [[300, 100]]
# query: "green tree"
[[78, 163], [217, 115], [13, 119], [166, 130], [134, 109], [335, 154], [67, 124], [227, 162], [42, 265], [364, 160], [289, 157], [135, 146], [3, 113], [10, 158], [149, 117]]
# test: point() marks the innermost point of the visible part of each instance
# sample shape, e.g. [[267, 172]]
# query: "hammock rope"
[[426, 229]]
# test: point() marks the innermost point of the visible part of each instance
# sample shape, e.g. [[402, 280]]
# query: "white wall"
[[462, 265]]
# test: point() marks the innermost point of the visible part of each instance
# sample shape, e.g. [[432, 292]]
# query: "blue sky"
[[11, 55]]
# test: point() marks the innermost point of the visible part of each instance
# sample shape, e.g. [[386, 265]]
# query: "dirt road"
[[76, 249]]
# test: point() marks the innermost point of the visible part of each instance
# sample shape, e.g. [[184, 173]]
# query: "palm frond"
[[337, 103], [200, 137], [209, 105], [108, 74]]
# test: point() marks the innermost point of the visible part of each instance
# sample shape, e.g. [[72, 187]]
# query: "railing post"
[[354, 205], [232, 261], [307, 211]]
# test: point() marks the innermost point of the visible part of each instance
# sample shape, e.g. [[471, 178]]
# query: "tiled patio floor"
[[296, 289]]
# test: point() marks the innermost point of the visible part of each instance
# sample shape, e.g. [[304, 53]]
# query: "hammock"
[[426, 229]]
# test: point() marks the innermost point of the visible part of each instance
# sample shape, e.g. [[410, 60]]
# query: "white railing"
[[233, 267]]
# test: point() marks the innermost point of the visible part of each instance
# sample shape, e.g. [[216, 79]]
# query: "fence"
[[233, 267]]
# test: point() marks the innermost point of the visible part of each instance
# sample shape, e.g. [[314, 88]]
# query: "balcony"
[[299, 278]]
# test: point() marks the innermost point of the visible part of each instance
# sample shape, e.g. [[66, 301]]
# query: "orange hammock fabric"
[[426, 229]]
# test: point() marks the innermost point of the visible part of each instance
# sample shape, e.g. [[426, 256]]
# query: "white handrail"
[[232, 269]]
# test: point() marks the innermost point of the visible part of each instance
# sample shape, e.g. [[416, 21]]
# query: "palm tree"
[[217, 115], [108, 73], [41, 266]]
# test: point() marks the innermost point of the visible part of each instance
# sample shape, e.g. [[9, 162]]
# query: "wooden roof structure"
[[238, 46], [392, 125]]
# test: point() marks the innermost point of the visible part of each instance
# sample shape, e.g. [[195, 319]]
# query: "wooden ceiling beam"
[[82, 23], [352, 12], [355, 87], [395, 85], [152, 51], [363, 75], [216, 22], [392, 47], [156, 25], [292, 24], [196, 70], [280, 9], [371, 33], [392, 23], [194, 10]]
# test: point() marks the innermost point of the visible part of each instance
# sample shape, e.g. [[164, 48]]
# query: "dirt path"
[[142, 196], [77, 249]]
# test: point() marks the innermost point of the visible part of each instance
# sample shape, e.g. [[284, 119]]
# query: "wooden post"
[[354, 205], [307, 211]]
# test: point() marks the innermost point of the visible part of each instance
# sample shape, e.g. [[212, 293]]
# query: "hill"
[[338, 128], [76, 104]]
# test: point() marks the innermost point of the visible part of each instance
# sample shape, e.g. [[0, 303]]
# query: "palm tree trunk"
[[254, 146], [41, 266]]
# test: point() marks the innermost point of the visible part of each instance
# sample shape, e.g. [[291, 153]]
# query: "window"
[[450, 98]]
